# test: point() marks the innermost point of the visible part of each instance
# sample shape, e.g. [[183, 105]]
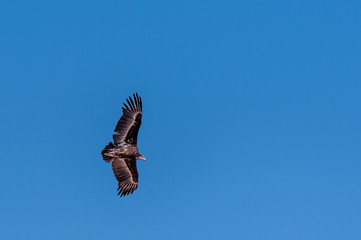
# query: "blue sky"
[[251, 124]]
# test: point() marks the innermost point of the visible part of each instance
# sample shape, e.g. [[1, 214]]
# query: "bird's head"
[[141, 157]]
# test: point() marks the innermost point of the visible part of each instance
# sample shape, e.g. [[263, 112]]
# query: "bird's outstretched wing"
[[128, 125], [125, 171]]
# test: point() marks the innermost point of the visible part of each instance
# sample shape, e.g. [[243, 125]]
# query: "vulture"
[[123, 153]]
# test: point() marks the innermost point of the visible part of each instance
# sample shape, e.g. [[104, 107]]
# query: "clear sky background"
[[251, 124]]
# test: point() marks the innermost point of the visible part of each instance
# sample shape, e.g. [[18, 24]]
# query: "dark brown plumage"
[[123, 153]]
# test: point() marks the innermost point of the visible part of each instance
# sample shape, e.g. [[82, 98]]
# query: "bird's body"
[[123, 153], [128, 151]]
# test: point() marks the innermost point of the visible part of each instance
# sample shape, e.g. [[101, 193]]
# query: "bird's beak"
[[142, 158]]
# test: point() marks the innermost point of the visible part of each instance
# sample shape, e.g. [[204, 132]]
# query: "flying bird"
[[123, 153]]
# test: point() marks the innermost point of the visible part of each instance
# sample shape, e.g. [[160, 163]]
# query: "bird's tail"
[[106, 153]]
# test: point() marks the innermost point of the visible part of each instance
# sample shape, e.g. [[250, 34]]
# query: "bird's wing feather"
[[128, 125], [125, 171]]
